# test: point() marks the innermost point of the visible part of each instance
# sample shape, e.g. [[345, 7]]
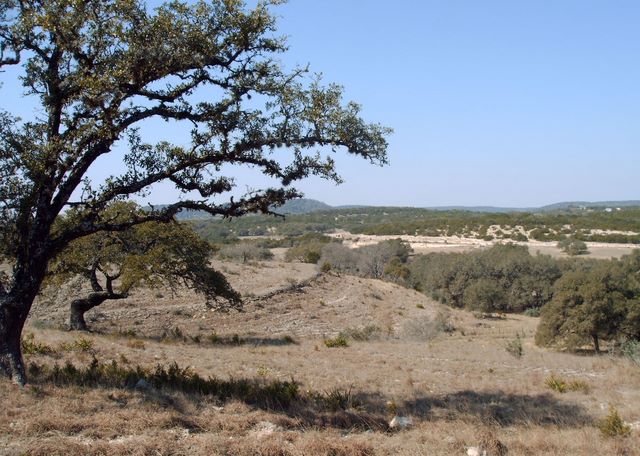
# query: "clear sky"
[[505, 103]]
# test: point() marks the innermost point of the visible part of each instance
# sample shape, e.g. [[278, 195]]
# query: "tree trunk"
[[11, 324], [596, 343], [80, 306]]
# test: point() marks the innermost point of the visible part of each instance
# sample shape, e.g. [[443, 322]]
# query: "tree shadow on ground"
[[337, 408], [500, 408]]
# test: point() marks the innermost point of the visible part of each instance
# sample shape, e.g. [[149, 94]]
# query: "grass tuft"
[[335, 342]]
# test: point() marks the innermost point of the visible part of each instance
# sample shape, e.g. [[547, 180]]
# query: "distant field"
[[428, 244], [617, 227]]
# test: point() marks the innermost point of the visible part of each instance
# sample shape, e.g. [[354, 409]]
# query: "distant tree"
[[98, 71], [373, 259], [587, 305], [485, 295], [368, 261], [151, 255], [244, 251], [572, 246]]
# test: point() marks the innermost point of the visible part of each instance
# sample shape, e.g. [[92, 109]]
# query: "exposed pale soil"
[[427, 244]]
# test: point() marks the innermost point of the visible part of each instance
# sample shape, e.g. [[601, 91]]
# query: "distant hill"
[[302, 206], [588, 204], [308, 206], [297, 206]]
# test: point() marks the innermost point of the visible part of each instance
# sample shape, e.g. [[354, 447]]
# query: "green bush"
[[556, 383], [572, 246], [612, 425]]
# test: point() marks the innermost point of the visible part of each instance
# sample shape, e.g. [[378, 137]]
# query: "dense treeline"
[[586, 225], [504, 278]]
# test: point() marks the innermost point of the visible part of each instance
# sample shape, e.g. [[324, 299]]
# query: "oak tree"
[[152, 255], [99, 71]]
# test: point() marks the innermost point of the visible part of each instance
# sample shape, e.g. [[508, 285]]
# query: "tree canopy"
[[153, 255], [99, 70], [597, 301]]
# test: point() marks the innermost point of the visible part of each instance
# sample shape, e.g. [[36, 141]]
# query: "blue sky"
[[506, 103]]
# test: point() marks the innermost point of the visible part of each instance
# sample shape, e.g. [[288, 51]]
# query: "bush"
[[612, 425], [630, 349], [514, 347], [572, 246], [308, 252], [532, 312], [31, 347], [244, 251], [485, 295], [339, 341], [425, 329], [374, 261]]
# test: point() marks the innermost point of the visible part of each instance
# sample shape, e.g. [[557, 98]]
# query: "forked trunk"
[[11, 324]]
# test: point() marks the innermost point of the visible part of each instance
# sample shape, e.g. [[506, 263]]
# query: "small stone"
[[400, 422]]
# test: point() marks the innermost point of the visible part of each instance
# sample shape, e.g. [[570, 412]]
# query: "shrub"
[[532, 312], [612, 425], [338, 341], [424, 329], [31, 347], [572, 246], [514, 347], [630, 349], [244, 251]]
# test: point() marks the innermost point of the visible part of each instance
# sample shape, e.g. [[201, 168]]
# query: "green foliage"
[[307, 248], [147, 255], [573, 246], [560, 385], [274, 394], [501, 278], [81, 344], [97, 72], [543, 226], [32, 347], [532, 312], [337, 342], [556, 383], [630, 349], [613, 425], [589, 304]]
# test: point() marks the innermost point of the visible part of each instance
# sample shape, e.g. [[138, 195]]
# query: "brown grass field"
[[460, 386]]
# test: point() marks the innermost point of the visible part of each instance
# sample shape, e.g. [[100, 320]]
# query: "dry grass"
[[462, 388]]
